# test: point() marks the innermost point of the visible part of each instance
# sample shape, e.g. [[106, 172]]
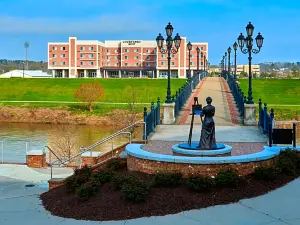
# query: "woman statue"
[[207, 138]]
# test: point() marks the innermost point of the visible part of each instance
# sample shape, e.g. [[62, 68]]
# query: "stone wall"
[[36, 161], [152, 167]]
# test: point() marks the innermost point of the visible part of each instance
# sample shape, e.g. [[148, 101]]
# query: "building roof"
[[27, 73]]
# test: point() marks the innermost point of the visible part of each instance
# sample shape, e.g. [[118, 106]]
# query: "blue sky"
[[217, 22]]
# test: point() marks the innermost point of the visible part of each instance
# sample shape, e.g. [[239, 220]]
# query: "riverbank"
[[62, 115]]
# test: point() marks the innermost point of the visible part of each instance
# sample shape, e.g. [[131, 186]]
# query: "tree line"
[[8, 65]]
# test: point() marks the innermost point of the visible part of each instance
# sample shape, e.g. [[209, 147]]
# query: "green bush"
[[102, 176], [288, 162], [115, 165], [164, 179], [135, 191], [265, 173], [72, 184], [87, 190], [120, 179], [84, 171], [227, 178], [200, 184], [80, 177]]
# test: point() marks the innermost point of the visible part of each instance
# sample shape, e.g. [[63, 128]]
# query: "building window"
[[82, 48], [192, 56], [91, 56], [147, 64], [91, 48], [116, 57], [81, 63], [126, 64], [137, 64], [116, 64], [173, 63], [53, 63], [148, 58], [107, 50], [136, 50], [53, 55], [172, 55], [136, 57], [126, 50], [63, 48], [63, 55], [107, 64], [201, 48], [126, 57], [62, 63], [116, 51], [54, 48], [148, 50], [163, 63], [81, 55], [107, 57], [163, 56], [91, 63], [191, 63]]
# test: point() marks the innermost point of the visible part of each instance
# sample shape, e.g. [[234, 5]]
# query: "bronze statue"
[[207, 138]]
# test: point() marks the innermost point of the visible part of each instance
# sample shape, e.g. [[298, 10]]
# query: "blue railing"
[[265, 120], [236, 91], [151, 118], [183, 93]]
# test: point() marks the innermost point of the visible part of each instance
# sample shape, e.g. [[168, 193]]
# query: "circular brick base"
[[227, 154], [187, 170]]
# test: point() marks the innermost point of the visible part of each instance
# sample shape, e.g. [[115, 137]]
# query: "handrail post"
[[145, 120], [158, 111], [259, 113], [152, 114], [265, 117], [294, 135]]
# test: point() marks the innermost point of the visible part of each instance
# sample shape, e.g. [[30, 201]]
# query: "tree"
[[89, 93], [295, 71]]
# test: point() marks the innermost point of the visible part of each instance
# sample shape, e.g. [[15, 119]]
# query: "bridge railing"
[[151, 118], [184, 92], [236, 91], [265, 118]]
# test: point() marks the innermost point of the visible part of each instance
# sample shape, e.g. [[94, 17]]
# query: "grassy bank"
[[279, 94]]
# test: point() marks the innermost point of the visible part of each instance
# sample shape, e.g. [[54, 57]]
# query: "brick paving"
[[226, 110], [238, 148]]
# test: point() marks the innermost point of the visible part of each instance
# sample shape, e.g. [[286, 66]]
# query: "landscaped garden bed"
[[116, 194]]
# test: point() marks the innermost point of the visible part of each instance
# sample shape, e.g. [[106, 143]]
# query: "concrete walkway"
[[217, 88], [20, 205]]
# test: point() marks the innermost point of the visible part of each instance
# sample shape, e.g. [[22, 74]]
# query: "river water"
[[17, 138]]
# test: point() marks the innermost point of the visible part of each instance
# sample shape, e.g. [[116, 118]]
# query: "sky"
[[218, 22]]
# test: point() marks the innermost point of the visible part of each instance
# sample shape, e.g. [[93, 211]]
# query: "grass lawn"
[[274, 91], [278, 94], [63, 89]]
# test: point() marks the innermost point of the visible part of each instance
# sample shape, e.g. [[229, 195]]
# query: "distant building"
[[298, 63], [26, 74], [122, 58], [245, 68]]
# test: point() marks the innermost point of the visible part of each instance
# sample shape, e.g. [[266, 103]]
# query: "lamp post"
[[169, 49], [229, 66], [204, 62], [198, 52], [223, 61], [249, 50], [225, 57], [201, 60], [235, 46], [189, 46], [23, 68]]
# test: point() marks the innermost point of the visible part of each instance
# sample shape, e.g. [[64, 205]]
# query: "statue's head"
[[208, 100]]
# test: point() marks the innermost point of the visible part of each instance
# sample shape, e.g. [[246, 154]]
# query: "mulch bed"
[[109, 205]]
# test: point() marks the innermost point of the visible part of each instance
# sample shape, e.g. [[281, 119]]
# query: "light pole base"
[[250, 115], [169, 113]]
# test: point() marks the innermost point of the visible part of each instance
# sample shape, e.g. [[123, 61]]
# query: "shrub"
[[115, 165], [84, 171], [265, 173], [87, 190], [80, 177], [72, 184], [288, 162], [200, 184], [120, 179], [227, 178], [102, 176], [135, 191], [163, 179]]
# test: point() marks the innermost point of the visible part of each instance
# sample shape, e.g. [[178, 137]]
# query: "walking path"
[[217, 88]]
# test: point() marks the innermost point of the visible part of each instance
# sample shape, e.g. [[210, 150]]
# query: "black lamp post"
[[198, 52], [169, 49], [204, 62], [249, 50], [223, 61], [189, 46], [201, 60], [229, 66], [235, 46], [225, 57]]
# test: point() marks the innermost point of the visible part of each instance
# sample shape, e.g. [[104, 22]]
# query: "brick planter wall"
[[55, 182], [36, 159], [152, 167]]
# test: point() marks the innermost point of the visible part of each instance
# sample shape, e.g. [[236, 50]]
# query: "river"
[[17, 138]]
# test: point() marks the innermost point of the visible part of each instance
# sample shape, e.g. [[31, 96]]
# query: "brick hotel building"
[[119, 59]]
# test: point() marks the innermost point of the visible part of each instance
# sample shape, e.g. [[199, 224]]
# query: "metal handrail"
[[98, 143], [53, 154], [27, 146]]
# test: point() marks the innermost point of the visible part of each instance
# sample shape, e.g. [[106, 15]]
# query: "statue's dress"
[[208, 138]]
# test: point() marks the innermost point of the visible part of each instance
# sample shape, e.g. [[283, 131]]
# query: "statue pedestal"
[[249, 115], [169, 113]]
